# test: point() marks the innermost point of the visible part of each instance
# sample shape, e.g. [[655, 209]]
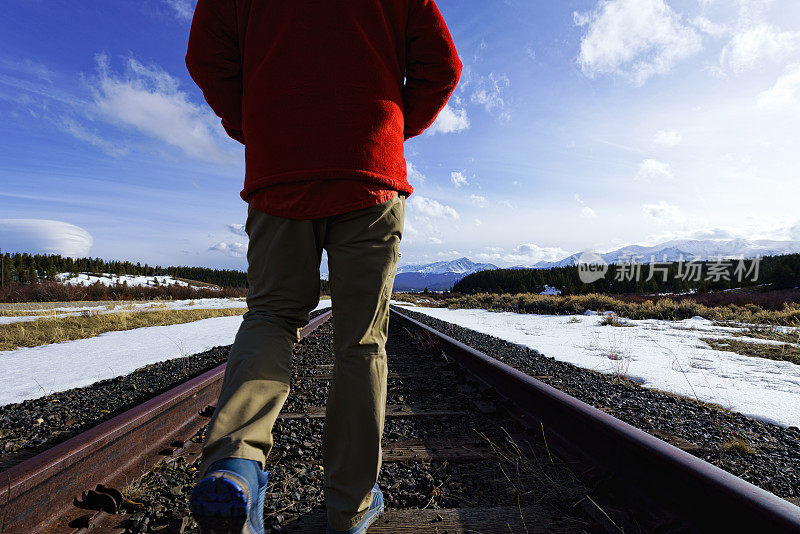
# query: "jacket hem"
[[399, 184]]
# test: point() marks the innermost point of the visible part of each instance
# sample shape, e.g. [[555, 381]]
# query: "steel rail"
[[39, 495], [707, 497]]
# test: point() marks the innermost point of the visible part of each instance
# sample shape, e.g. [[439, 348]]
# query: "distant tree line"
[[26, 268], [775, 272], [23, 268], [218, 277]]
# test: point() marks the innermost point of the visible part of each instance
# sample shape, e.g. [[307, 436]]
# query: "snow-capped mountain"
[[463, 266], [688, 249], [436, 276]]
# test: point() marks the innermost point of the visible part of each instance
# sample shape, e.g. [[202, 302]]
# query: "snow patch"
[[87, 279], [33, 372]]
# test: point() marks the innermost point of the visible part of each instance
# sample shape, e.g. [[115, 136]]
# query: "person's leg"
[[283, 276], [363, 248]]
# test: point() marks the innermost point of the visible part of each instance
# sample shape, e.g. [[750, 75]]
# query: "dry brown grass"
[[772, 332], [90, 324], [611, 319], [783, 352], [51, 291], [737, 445], [25, 313], [419, 299], [656, 308], [533, 474]]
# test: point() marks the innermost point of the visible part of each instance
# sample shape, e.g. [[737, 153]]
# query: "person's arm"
[[214, 61], [432, 67]]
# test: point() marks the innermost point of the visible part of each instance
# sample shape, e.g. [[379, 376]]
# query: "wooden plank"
[[417, 450], [427, 449], [495, 520], [328, 376], [392, 410]]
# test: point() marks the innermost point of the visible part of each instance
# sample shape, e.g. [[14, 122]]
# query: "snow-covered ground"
[[665, 355], [115, 307], [29, 373], [87, 279]]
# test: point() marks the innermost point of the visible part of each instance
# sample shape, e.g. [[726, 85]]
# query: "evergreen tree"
[[784, 277], [50, 269], [8, 271]]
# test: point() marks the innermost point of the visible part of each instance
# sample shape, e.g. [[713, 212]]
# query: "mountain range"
[[442, 275], [436, 276], [688, 249]]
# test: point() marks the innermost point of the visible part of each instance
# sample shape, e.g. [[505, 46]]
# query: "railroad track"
[[471, 445]]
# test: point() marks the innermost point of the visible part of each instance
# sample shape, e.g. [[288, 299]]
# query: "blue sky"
[[577, 124]]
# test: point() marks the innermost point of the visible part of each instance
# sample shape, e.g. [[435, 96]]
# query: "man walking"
[[322, 93]]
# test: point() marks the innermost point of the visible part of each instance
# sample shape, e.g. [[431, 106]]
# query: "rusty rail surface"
[[44, 493], [700, 494]]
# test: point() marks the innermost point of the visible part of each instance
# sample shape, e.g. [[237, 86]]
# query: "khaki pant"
[[283, 275]]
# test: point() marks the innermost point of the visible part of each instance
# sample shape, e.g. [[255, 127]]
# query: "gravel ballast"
[[31, 426], [764, 454]]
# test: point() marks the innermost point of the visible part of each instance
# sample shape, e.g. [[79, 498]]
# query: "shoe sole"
[[372, 519], [220, 506], [221, 525]]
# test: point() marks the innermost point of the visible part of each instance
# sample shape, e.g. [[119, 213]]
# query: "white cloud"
[[684, 227], [753, 46], [538, 253], [477, 200], [236, 250], [450, 120], [478, 222], [794, 231], [525, 254], [710, 28], [414, 174], [29, 67], [148, 100], [664, 212], [431, 208], [784, 96], [668, 138], [44, 236], [458, 178], [489, 94], [237, 229], [716, 232], [182, 8], [654, 170], [634, 38], [79, 132], [586, 211]]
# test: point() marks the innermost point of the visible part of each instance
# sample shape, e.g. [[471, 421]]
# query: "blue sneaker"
[[375, 509], [229, 499]]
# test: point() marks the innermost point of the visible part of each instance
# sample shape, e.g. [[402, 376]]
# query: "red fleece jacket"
[[323, 89]]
